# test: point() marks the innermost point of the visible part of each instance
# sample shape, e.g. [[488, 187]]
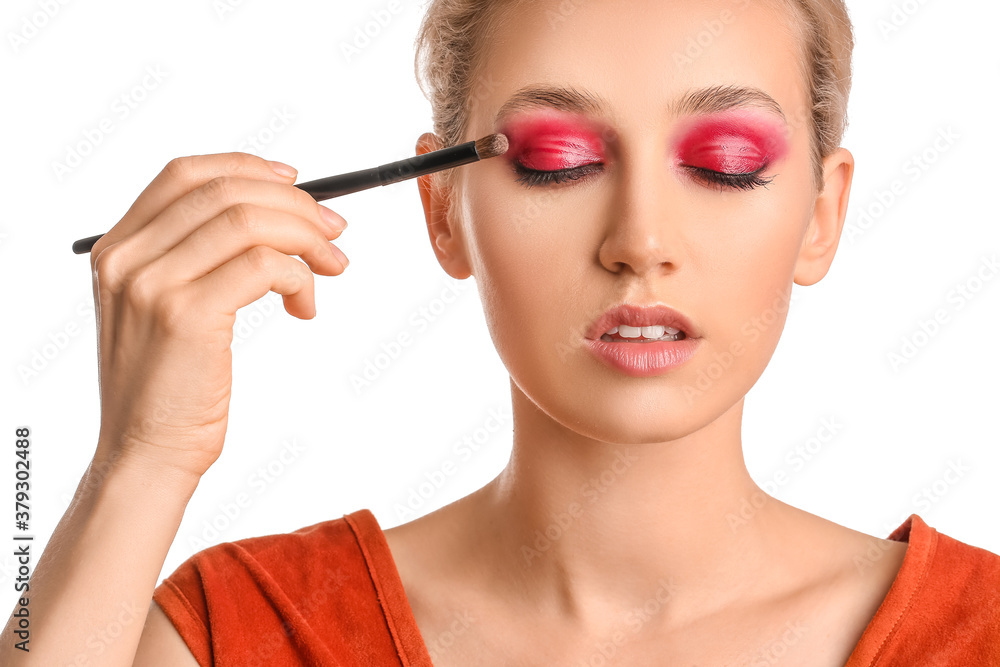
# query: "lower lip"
[[644, 359]]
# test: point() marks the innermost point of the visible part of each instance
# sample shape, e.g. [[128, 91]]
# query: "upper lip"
[[641, 316]]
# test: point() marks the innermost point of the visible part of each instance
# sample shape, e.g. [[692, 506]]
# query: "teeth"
[[625, 331], [656, 331]]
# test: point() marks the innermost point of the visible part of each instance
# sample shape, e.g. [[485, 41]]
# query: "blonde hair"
[[454, 34]]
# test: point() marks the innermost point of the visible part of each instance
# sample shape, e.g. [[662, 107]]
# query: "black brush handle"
[[355, 181], [393, 172]]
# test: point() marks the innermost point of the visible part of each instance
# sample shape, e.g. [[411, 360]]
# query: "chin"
[[639, 416]]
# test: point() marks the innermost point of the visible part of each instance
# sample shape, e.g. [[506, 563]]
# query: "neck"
[[591, 530]]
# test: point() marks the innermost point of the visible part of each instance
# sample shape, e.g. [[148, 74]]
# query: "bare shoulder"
[[870, 566], [160, 645], [847, 594]]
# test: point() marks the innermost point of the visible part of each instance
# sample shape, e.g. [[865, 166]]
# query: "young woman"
[[649, 192]]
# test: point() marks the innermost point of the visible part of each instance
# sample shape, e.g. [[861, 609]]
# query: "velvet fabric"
[[330, 594]]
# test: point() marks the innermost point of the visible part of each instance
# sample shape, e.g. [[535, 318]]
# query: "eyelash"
[[720, 180], [533, 177], [723, 180]]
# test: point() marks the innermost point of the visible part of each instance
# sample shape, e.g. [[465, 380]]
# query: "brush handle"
[[393, 172], [84, 245], [355, 181]]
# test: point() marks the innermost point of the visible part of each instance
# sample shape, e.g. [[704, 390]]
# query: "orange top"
[[330, 594]]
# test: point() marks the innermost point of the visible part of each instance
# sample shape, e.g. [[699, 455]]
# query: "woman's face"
[[638, 218]]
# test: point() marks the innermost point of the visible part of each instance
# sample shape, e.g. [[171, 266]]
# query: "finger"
[[235, 231], [181, 176], [191, 211], [183, 217], [249, 276]]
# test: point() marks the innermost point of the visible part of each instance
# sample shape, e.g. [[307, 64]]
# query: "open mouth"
[[652, 334]]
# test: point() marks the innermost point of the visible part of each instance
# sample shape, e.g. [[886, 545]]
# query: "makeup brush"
[[393, 172]]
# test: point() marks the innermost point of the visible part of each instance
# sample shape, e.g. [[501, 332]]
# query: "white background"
[[231, 71]]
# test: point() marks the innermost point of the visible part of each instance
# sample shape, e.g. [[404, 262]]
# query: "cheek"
[[528, 254]]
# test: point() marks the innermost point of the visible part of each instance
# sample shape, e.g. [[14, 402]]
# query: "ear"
[[823, 234], [446, 237]]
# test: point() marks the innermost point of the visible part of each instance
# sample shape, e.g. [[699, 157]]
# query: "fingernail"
[[340, 255], [335, 222], [282, 168]]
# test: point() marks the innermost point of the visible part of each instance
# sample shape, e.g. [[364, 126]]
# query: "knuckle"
[[139, 289], [180, 168], [243, 218], [260, 258], [108, 266], [320, 246], [238, 162], [222, 188], [299, 276], [171, 312]]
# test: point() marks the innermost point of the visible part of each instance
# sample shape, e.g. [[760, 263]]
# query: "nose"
[[643, 231]]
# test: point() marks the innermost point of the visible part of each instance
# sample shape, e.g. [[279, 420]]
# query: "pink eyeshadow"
[[552, 140], [735, 142]]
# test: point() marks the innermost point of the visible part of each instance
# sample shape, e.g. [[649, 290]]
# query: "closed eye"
[[719, 180], [534, 177], [723, 180]]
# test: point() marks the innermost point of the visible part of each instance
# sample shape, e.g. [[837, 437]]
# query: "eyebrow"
[[713, 99]]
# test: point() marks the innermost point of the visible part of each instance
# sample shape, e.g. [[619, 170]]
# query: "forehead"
[[642, 59]]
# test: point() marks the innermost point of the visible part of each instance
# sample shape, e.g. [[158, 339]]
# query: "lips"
[[642, 316]]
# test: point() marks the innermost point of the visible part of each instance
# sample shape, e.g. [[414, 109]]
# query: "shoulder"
[[964, 583], [274, 592], [319, 556], [944, 606]]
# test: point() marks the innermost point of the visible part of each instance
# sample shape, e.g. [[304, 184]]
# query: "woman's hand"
[[209, 235]]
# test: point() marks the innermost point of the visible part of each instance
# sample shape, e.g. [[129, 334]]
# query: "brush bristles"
[[491, 146]]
